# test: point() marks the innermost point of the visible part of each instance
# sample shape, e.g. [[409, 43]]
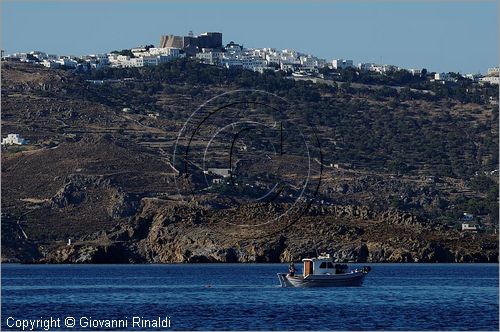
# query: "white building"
[[415, 72], [309, 62], [67, 62], [112, 58], [252, 63], [230, 61], [155, 51], [162, 55], [171, 51], [377, 68], [440, 76], [469, 228], [490, 80], [289, 57], [39, 55], [98, 61], [209, 56], [342, 64], [443, 77], [258, 52], [273, 58], [492, 76], [386, 68], [493, 71], [243, 60], [139, 51], [382, 69], [133, 62], [50, 63], [13, 139]]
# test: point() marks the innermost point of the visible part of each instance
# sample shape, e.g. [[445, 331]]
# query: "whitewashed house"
[[230, 61], [440, 76], [490, 80], [13, 139], [415, 72], [308, 62], [50, 64], [273, 58], [209, 56], [469, 228], [67, 62], [173, 51]]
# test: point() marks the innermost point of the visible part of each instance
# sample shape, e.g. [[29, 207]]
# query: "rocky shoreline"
[[163, 232]]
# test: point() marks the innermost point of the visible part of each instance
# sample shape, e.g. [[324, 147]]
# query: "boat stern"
[[284, 280]]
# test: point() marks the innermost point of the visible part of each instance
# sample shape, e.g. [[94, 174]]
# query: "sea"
[[245, 297]]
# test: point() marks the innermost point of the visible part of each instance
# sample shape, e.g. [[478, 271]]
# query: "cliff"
[[164, 232]]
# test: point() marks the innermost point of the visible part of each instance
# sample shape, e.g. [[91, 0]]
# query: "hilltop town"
[[208, 48]]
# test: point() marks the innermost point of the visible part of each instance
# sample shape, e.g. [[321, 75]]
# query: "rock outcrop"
[[164, 232]]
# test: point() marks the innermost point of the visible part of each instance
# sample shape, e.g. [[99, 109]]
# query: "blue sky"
[[441, 36]]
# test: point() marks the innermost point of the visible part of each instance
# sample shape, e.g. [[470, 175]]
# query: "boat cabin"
[[323, 264]]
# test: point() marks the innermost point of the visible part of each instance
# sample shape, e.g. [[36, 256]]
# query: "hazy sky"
[[440, 36]]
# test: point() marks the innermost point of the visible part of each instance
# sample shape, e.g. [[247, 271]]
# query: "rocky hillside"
[[389, 180]]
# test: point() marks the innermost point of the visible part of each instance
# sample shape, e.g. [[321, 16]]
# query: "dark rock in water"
[[363, 253]]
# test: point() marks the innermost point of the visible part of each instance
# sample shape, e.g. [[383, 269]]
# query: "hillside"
[[387, 172]]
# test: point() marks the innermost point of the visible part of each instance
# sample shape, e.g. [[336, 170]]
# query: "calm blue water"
[[248, 296]]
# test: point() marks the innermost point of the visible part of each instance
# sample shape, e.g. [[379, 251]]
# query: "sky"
[[460, 36]]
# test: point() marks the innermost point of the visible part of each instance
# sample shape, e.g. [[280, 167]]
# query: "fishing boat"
[[321, 271]]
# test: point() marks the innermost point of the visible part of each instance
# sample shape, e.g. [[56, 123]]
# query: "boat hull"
[[351, 279]]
